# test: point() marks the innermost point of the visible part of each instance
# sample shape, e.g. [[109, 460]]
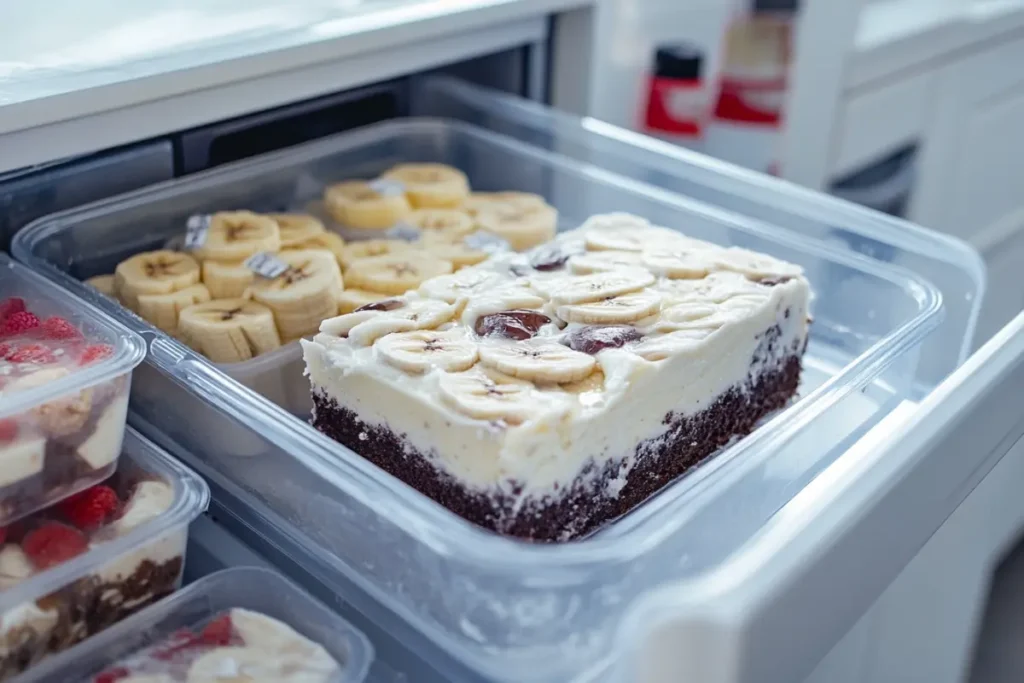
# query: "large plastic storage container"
[[249, 588], [62, 414], [500, 605], [124, 568]]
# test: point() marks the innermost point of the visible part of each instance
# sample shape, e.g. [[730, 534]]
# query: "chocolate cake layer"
[[586, 507]]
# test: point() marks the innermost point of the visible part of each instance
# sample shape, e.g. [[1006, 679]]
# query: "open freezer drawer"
[[780, 604], [516, 620]]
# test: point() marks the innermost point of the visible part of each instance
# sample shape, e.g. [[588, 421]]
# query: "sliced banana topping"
[[460, 285], [229, 330], [604, 261], [677, 264], [622, 309], [522, 226], [484, 394], [163, 309], [296, 228], [585, 288], [236, 235], [366, 326], [395, 273], [537, 360], [431, 185], [226, 280], [754, 265], [624, 232], [672, 344], [154, 272], [422, 350], [357, 204], [357, 251]]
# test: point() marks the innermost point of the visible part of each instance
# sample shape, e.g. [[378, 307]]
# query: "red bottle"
[[676, 101]]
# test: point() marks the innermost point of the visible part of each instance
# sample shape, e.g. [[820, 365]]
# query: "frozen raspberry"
[[32, 353], [58, 328], [515, 324], [112, 675], [96, 352], [92, 508], [18, 323], [8, 430], [386, 305], [4, 350], [53, 543], [598, 338], [11, 305], [218, 632]]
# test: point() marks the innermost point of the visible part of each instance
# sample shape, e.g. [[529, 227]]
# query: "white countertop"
[[111, 56]]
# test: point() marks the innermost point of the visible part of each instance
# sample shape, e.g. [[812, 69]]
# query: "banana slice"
[[458, 254], [329, 241], [484, 394], [604, 261], [678, 264], [627, 308], [154, 272], [581, 289], [395, 273], [522, 226], [479, 201], [104, 284], [449, 225], [304, 295], [538, 361], [461, 285], [229, 330], [626, 232], [296, 228], [163, 309], [351, 299], [357, 204], [357, 251], [401, 315], [422, 350], [236, 235], [703, 316], [753, 265], [226, 280], [672, 344], [431, 185]]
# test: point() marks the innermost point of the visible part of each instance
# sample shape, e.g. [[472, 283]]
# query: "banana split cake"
[[542, 395]]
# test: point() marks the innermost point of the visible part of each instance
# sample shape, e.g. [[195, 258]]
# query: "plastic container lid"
[[63, 393], [124, 568], [250, 588]]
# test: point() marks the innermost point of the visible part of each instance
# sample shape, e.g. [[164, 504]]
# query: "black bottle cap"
[[678, 61], [775, 6]]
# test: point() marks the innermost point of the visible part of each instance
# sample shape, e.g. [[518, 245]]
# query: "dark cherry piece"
[[515, 324], [386, 305], [772, 281], [598, 338], [552, 257]]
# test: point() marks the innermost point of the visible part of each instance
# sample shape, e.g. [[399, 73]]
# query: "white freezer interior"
[[866, 625]]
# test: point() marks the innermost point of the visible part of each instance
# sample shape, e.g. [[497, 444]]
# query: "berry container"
[[251, 588], [506, 609], [65, 374], [52, 598]]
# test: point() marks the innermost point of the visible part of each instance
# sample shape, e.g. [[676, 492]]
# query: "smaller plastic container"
[[63, 392], [48, 605], [250, 588]]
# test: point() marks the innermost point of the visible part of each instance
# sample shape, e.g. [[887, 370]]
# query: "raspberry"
[[32, 353], [112, 675], [96, 352], [53, 543], [3, 534], [92, 508], [4, 350], [18, 323], [10, 305], [58, 328], [218, 632], [8, 430]]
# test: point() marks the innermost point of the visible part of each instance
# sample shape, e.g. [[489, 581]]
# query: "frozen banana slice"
[[431, 185], [227, 280], [357, 204], [351, 299], [296, 228], [445, 225], [163, 309], [356, 251], [104, 284], [484, 394], [234, 236], [304, 295], [330, 241], [458, 253], [479, 201], [229, 330], [395, 273], [154, 272], [522, 226], [540, 361], [421, 350], [616, 310]]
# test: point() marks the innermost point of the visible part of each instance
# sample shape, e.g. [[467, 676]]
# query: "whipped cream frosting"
[[641, 321]]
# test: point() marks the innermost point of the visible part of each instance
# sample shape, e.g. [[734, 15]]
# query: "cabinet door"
[[971, 176]]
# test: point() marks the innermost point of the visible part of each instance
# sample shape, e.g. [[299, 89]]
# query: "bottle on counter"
[[677, 102]]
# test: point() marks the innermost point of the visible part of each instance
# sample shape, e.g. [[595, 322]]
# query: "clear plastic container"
[[129, 563], [248, 588], [508, 609], [62, 415]]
